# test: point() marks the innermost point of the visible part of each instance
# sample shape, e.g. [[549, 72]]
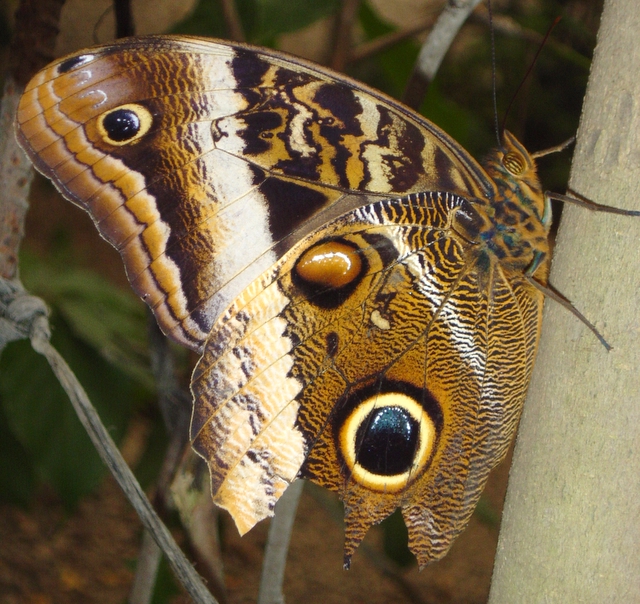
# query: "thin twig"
[[109, 453], [191, 496], [434, 48], [507, 26], [147, 567], [124, 18], [175, 409], [275, 555], [381, 43], [342, 42]]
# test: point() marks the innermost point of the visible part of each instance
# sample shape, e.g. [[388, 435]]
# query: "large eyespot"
[[514, 163], [74, 62], [124, 125], [387, 440], [329, 271]]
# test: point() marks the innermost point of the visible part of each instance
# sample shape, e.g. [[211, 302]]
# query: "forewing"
[[239, 153]]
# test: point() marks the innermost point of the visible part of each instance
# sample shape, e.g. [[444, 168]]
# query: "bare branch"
[[434, 48], [366, 49], [507, 26], [147, 566], [124, 18], [109, 453], [342, 46]]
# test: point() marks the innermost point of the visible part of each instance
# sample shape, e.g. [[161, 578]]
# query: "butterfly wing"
[[202, 163], [366, 339], [382, 383]]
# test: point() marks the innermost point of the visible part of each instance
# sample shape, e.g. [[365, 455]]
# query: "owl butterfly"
[[360, 288]]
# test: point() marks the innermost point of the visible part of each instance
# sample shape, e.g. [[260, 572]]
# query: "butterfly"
[[364, 295]]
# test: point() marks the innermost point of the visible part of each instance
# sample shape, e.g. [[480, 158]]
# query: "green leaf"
[[40, 416], [395, 540], [206, 20], [165, 589], [262, 20], [17, 478], [486, 513], [388, 70], [274, 17], [112, 321]]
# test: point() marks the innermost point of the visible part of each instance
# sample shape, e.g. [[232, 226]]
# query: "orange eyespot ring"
[[514, 163]]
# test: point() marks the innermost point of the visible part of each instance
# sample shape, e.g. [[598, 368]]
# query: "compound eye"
[[514, 163]]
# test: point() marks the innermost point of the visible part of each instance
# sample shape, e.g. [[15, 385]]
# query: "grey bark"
[[571, 525]]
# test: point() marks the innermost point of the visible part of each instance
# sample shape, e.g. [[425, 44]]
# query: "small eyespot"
[[125, 124], [514, 163], [333, 342], [74, 62]]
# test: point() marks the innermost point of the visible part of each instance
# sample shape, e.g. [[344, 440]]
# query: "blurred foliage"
[[262, 20], [111, 321], [98, 330], [101, 331], [395, 539]]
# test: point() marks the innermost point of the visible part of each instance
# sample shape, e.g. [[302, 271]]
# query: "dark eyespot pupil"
[[386, 441], [70, 64], [121, 125]]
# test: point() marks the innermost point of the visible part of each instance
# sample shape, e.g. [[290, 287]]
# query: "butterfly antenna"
[[580, 200], [557, 149], [533, 63], [494, 85]]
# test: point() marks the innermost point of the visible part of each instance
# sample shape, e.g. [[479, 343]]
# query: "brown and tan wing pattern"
[[203, 162], [380, 325], [384, 385]]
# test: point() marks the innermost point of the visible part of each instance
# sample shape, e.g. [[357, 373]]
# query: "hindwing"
[[385, 388]]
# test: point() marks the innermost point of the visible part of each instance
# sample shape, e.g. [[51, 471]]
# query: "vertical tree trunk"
[[571, 526]]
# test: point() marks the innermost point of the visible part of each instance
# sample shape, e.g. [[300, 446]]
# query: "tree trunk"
[[571, 525]]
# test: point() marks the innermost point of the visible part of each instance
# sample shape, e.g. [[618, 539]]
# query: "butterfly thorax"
[[514, 226]]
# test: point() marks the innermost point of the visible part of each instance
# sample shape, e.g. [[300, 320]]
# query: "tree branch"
[[275, 555], [570, 529], [434, 48], [109, 453]]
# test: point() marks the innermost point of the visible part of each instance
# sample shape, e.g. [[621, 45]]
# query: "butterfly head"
[[520, 212], [514, 171]]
